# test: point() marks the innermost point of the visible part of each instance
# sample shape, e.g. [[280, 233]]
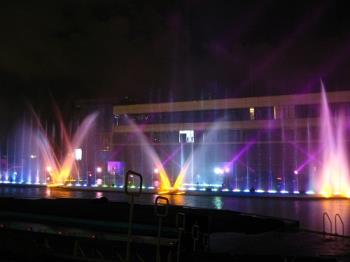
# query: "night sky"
[[167, 50]]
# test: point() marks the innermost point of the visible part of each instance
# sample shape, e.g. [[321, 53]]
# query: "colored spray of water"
[[33, 158], [165, 184], [60, 171], [334, 179]]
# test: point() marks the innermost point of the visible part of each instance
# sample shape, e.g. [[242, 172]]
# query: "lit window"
[[186, 136], [251, 113]]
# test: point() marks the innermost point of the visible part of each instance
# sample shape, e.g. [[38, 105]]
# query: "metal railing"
[[161, 205], [336, 218], [326, 217], [132, 194]]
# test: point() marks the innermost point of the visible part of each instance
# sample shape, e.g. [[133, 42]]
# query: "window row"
[[236, 114]]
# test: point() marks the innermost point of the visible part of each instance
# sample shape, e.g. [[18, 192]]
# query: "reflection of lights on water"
[[99, 194], [218, 202]]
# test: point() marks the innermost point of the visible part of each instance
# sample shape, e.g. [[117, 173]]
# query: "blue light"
[[272, 191], [296, 192], [310, 192], [246, 190], [284, 192], [236, 190], [260, 191]]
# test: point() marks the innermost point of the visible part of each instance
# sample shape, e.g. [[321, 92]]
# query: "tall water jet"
[[334, 168], [165, 184]]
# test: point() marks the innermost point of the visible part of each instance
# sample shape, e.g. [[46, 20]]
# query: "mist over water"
[[334, 171]]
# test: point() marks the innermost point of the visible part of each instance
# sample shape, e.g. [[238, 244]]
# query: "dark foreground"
[[98, 230]]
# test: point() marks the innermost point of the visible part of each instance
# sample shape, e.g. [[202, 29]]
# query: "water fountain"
[[296, 163], [334, 170], [31, 157]]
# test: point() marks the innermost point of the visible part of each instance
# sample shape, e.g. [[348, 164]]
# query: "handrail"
[[160, 213], [180, 225], [195, 235], [326, 216], [126, 180], [335, 224], [132, 194]]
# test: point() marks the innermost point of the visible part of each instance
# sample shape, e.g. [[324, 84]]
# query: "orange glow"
[[181, 176]]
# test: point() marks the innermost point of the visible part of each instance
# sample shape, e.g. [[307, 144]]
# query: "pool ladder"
[[337, 217]]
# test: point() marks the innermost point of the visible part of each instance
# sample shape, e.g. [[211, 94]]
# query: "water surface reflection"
[[308, 212]]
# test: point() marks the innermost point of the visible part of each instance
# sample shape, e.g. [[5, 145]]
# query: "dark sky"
[[168, 50]]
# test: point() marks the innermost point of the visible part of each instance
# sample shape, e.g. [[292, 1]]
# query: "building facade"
[[256, 143]]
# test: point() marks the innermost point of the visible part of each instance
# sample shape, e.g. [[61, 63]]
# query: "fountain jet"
[[334, 168]]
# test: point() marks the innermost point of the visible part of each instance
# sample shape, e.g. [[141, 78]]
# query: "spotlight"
[[227, 170], [218, 171], [296, 172], [49, 169], [99, 169], [156, 171]]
